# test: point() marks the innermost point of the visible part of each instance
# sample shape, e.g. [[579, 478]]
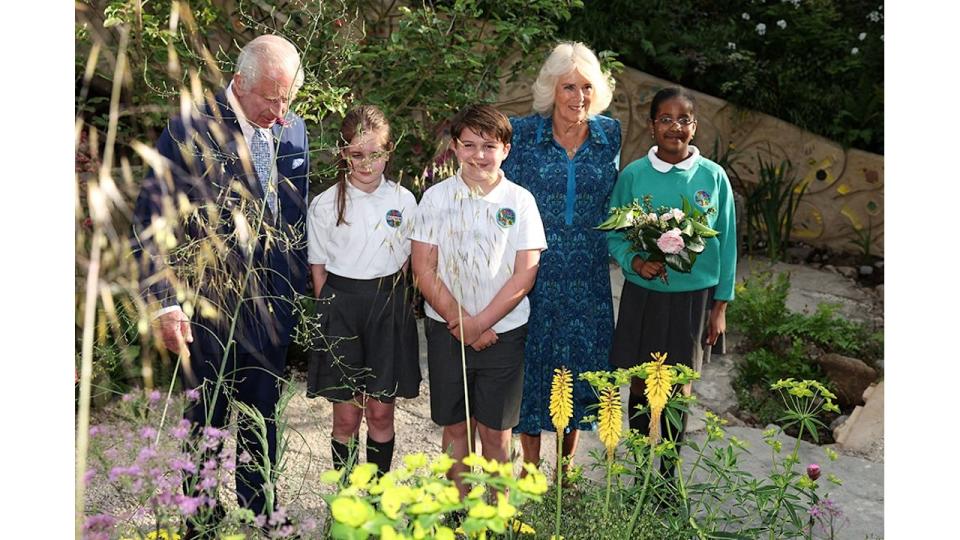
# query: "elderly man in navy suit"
[[220, 223]]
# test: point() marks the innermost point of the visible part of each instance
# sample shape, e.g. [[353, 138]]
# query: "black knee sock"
[[380, 454], [343, 454]]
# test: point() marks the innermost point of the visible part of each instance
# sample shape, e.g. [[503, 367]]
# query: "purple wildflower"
[[126, 398], [181, 464], [181, 430], [96, 430], [208, 484], [89, 475], [189, 505], [193, 394], [278, 516], [260, 521], [244, 457], [154, 396], [148, 432], [117, 472], [98, 527]]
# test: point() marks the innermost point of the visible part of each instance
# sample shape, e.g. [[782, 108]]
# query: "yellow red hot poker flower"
[[610, 419], [561, 398], [658, 384]]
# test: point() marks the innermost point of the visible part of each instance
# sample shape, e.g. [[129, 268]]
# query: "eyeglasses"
[[667, 121], [374, 156]]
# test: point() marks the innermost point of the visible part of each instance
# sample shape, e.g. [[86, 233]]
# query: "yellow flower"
[[449, 495], [427, 506], [362, 474], [611, 419], [658, 384], [474, 460], [351, 511], [391, 501], [444, 533], [162, 534], [389, 533], [505, 510], [534, 483], [331, 477], [476, 492], [442, 464], [561, 398], [415, 461], [482, 510]]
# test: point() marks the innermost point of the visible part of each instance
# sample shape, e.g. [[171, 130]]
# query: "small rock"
[[866, 270], [850, 376], [838, 421], [847, 272], [829, 267]]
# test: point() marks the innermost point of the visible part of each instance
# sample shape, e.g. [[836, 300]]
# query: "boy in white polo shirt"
[[476, 249]]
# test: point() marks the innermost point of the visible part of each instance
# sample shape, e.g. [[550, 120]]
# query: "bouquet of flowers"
[[673, 236]]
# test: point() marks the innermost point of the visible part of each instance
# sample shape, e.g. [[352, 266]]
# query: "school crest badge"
[[702, 198], [394, 218], [506, 217]]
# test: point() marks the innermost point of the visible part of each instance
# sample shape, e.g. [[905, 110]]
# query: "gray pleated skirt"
[[652, 321]]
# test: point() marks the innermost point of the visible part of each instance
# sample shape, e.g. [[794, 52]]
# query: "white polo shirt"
[[478, 238], [374, 242]]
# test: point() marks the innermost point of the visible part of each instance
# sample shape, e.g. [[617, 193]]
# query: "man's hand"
[[175, 331], [470, 327], [486, 339]]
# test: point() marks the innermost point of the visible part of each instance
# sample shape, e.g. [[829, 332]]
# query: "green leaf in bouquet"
[[614, 222], [703, 230], [685, 206], [678, 262], [687, 227], [695, 244]]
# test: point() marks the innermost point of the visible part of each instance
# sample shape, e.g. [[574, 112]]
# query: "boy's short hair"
[[484, 120]]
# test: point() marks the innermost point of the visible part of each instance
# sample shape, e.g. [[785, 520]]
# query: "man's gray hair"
[[564, 58], [267, 54]]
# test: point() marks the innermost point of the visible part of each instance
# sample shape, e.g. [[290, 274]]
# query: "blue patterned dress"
[[571, 310]]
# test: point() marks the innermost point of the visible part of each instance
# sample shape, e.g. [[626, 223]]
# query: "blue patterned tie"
[[260, 150]]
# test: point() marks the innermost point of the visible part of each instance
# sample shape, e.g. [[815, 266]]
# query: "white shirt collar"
[[246, 126], [466, 186], [354, 191], [685, 165]]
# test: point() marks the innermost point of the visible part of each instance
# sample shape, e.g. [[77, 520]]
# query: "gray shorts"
[[494, 378]]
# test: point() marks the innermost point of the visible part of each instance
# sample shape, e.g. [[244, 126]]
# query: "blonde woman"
[[567, 155]]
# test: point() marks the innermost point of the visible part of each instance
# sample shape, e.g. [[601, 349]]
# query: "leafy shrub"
[[783, 345], [786, 58]]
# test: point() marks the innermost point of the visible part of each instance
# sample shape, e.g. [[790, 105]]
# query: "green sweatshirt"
[[705, 185]]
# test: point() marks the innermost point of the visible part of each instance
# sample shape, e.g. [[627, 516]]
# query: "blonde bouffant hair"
[[566, 57]]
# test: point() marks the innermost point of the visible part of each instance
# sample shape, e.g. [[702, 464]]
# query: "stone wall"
[[844, 187]]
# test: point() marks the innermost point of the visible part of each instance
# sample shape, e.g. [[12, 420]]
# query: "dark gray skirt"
[[652, 321], [369, 341]]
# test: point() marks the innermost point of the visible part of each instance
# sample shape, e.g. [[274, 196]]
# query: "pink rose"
[[671, 242], [813, 471], [678, 214]]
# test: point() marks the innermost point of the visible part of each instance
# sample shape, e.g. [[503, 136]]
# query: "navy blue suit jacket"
[[258, 285]]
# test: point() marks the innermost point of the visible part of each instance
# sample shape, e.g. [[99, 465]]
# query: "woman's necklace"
[[571, 150]]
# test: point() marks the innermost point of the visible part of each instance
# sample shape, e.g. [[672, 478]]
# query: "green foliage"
[[817, 57], [422, 64], [771, 204], [761, 306], [785, 345]]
